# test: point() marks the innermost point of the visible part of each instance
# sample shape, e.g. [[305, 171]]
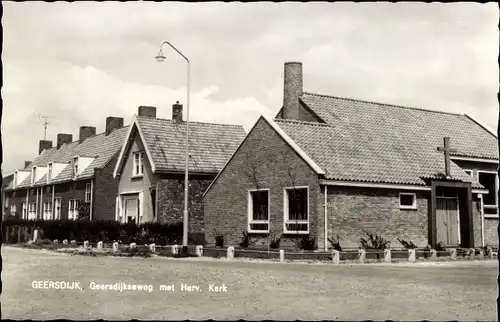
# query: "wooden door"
[[447, 221]]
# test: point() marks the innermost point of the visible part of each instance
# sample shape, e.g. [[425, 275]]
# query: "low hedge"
[[106, 231]]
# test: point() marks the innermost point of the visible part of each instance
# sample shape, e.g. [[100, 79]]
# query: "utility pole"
[[44, 124]]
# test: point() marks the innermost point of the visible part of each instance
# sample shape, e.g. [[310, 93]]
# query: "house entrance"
[[447, 216], [131, 209]]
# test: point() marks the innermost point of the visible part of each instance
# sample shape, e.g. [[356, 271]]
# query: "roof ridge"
[[190, 122], [380, 103], [301, 122], [90, 137]]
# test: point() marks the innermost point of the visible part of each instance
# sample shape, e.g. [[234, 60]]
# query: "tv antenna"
[[45, 123]]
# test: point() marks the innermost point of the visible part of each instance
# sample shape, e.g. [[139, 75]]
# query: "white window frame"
[[32, 210], [75, 168], [88, 192], [13, 209], [49, 172], [57, 214], [250, 212], [47, 210], [406, 207], [7, 201], [24, 214], [485, 206], [286, 219], [138, 164], [33, 173], [73, 212]]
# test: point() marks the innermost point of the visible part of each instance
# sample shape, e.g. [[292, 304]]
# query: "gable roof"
[[103, 148], [210, 144], [381, 143]]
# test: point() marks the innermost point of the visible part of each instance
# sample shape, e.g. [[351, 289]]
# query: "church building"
[[329, 166]]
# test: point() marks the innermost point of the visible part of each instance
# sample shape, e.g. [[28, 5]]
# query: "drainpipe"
[[326, 217], [37, 204], [41, 203], [27, 203], [91, 197], [481, 210], [53, 212]]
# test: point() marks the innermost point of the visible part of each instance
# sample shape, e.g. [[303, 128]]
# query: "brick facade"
[[105, 192], [491, 232], [276, 165]]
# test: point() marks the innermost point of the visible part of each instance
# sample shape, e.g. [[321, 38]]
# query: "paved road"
[[243, 290]]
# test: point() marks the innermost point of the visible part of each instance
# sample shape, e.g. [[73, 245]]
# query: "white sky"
[[82, 62]]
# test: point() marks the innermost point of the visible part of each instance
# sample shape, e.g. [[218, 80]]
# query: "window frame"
[[49, 172], [47, 211], [250, 219], [75, 167], [138, 164], [406, 207], [88, 192], [13, 209], [74, 213], [287, 220], [485, 206], [24, 209], [33, 173], [57, 215], [31, 212]]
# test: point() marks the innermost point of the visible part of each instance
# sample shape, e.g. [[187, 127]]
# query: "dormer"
[[54, 169], [80, 163], [20, 176], [37, 173], [33, 175]]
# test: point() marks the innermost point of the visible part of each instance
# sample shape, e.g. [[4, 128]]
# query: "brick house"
[[328, 166], [6, 180], [73, 180], [150, 167]]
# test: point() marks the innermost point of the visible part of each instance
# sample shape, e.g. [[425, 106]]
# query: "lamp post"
[[160, 57]]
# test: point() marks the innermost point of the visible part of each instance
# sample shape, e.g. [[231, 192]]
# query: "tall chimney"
[[86, 132], [27, 163], [43, 145], [149, 111], [292, 89], [113, 123], [63, 138], [177, 112]]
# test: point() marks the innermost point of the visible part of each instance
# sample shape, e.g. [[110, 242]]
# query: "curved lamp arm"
[[161, 57]]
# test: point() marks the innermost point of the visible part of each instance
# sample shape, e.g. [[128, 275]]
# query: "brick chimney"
[[292, 89], [43, 145], [113, 123], [27, 163], [86, 132], [177, 112], [149, 111], [63, 138]]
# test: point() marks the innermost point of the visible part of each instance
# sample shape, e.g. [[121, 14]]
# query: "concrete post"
[[56, 241], [99, 245], [86, 244], [199, 250], [282, 255], [335, 257], [387, 255], [115, 247], [152, 248], [412, 255], [175, 250], [481, 254], [65, 242], [433, 254], [230, 252], [132, 245], [73, 242], [472, 253], [454, 253], [490, 252], [362, 256], [35, 235]]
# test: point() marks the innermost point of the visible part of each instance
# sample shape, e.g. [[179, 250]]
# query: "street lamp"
[[160, 57]]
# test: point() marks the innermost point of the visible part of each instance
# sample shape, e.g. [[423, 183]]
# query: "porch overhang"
[[373, 185]]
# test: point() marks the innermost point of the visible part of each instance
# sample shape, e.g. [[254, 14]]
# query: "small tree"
[[335, 243], [374, 242], [407, 244]]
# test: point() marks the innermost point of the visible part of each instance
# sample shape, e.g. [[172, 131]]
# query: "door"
[[131, 209], [57, 208], [447, 221]]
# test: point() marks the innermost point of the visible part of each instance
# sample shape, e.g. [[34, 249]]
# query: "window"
[[73, 209], [57, 208], [138, 164], [7, 201], [47, 210], [407, 200], [258, 211], [296, 204], [75, 167], [489, 180], [48, 189], [49, 172], [24, 210], [88, 191], [32, 211], [13, 210]]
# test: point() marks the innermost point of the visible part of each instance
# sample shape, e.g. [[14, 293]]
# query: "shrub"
[[305, 243], [374, 242], [335, 243], [219, 240], [407, 244], [275, 242], [440, 247], [246, 240]]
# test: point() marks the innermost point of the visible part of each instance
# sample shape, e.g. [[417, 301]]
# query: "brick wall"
[[354, 210], [170, 196], [17, 198], [491, 231], [265, 154], [67, 191], [476, 220], [105, 192]]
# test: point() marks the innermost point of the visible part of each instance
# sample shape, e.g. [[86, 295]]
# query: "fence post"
[[115, 247], [152, 248], [230, 252], [362, 256], [86, 244], [132, 245], [472, 253], [35, 235], [433, 254], [387, 255], [481, 253], [73, 242], [412, 255], [199, 250], [453, 253], [99, 245], [175, 250], [335, 257], [282, 255], [65, 242], [56, 241]]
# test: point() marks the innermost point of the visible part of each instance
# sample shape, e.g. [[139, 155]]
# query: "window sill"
[[407, 207], [295, 232], [491, 216], [137, 176]]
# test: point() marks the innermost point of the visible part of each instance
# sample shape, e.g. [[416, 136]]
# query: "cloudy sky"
[[82, 62]]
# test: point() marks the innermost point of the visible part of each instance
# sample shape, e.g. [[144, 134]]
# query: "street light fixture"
[[160, 57]]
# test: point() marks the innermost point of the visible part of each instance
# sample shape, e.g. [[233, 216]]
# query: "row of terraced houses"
[[325, 166]]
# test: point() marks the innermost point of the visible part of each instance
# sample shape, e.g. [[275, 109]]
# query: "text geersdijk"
[[59, 285]]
